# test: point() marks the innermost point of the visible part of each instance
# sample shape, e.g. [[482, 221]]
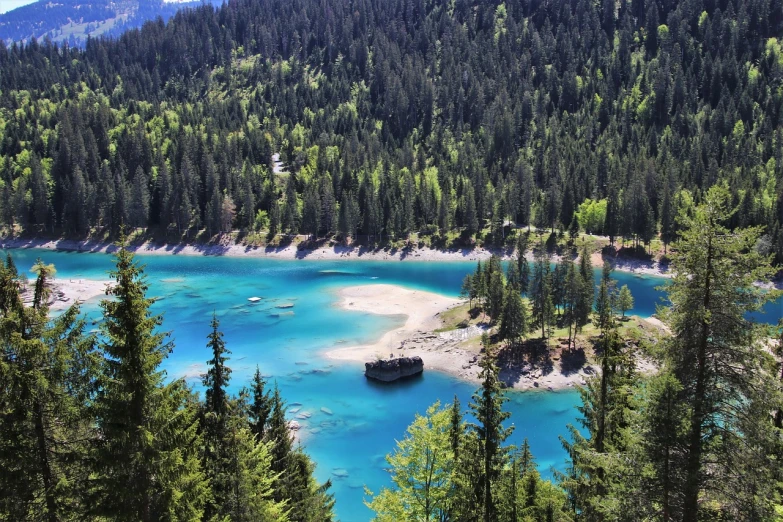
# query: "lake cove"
[[348, 424]]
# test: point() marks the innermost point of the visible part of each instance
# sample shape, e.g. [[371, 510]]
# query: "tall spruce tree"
[[306, 499], [261, 406], [514, 321], [487, 408], [716, 354], [216, 459], [543, 309], [146, 458], [237, 464]]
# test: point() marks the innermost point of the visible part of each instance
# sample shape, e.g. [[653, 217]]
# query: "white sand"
[[441, 352], [66, 292], [419, 307]]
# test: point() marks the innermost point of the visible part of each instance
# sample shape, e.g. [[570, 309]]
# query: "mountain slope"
[[75, 20], [402, 117]]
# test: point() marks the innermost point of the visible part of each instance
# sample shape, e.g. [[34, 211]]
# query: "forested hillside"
[[400, 116], [74, 21]]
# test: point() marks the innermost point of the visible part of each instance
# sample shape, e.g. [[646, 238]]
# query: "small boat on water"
[[254, 299]]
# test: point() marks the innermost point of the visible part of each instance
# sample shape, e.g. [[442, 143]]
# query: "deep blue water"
[[349, 444]]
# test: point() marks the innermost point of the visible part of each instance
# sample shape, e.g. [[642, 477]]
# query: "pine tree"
[[216, 460], [147, 465], [495, 290], [541, 292], [295, 484], [311, 212], [624, 299], [524, 275], [605, 299], [487, 407], [261, 406], [513, 324], [237, 464], [47, 375], [668, 216], [663, 433], [290, 215], [512, 277], [470, 219], [573, 295], [716, 356], [218, 375], [468, 289], [605, 417], [587, 291]]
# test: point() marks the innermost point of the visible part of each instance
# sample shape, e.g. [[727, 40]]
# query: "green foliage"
[[716, 355], [147, 465], [47, 377], [591, 216], [484, 127], [487, 408], [446, 470], [624, 299], [93, 430], [237, 463], [543, 309], [514, 321], [421, 468]]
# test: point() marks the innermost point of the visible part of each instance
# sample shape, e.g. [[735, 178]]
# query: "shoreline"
[[444, 352], [324, 253]]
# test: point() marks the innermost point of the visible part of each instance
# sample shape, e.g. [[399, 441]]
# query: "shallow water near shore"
[[348, 423]]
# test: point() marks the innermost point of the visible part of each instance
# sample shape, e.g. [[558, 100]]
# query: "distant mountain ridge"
[[76, 20]]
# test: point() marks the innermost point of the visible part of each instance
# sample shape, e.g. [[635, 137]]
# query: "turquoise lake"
[[349, 444]]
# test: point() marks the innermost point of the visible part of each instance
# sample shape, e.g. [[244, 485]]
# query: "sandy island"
[[65, 292], [445, 351]]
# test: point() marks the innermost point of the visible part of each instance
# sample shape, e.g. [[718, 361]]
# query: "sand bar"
[[443, 352], [66, 291], [419, 307]]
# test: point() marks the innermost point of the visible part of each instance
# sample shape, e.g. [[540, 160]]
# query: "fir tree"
[[513, 324], [261, 406], [47, 375], [487, 407], [147, 466], [216, 460], [716, 356]]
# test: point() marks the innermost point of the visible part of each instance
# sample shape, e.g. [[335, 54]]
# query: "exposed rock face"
[[393, 369]]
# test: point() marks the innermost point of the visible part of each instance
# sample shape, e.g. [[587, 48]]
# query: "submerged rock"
[[340, 472], [393, 369]]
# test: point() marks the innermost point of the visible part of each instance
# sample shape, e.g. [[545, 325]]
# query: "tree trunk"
[[43, 462], [693, 465]]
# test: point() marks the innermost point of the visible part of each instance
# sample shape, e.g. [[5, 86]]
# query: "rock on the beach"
[[394, 369]]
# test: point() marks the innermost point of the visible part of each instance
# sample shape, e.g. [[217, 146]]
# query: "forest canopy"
[[399, 117]]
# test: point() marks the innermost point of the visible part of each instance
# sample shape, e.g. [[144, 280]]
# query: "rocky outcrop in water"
[[393, 369]]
